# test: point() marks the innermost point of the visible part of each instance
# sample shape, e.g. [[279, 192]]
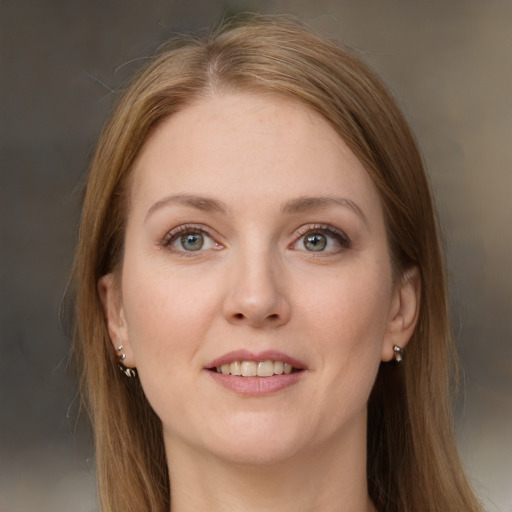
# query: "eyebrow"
[[294, 206], [308, 204], [204, 204]]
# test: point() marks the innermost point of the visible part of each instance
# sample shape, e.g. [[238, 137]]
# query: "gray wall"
[[449, 63]]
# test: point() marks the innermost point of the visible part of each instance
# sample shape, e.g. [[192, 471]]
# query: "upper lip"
[[246, 355]]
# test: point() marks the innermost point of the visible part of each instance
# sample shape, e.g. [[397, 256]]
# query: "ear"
[[110, 295], [404, 312]]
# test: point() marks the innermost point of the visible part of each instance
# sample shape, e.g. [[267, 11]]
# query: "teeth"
[[266, 369], [236, 368], [253, 369], [249, 369]]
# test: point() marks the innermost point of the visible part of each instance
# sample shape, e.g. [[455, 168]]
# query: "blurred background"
[[449, 63]]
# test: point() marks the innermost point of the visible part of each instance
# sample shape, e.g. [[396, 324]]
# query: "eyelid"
[[183, 229], [326, 229]]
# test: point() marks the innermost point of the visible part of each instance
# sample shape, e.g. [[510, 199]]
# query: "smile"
[[256, 368], [256, 374]]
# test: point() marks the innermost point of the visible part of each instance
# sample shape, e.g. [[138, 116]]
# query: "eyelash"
[[326, 230], [180, 231], [190, 229]]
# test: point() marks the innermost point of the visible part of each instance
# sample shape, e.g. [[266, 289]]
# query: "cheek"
[[345, 319], [164, 330], [166, 311], [350, 308], [348, 322]]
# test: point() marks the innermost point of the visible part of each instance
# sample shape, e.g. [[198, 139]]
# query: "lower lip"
[[256, 386]]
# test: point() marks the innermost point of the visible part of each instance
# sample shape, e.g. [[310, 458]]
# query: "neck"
[[330, 478]]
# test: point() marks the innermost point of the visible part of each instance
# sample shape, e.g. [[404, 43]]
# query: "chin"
[[262, 441], [253, 455]]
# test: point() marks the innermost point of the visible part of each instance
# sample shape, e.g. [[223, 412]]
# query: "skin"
[[255, 285]]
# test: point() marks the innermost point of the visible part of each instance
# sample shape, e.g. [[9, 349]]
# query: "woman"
[[258, 246]]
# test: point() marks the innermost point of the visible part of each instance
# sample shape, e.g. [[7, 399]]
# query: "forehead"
[[248, 147]]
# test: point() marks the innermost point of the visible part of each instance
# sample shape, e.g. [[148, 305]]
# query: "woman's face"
[[255, 244]]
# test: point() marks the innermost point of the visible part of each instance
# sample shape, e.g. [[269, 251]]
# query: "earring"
[[123, 355], [399, 353], [129, 372]]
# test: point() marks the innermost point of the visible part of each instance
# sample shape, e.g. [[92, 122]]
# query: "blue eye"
[[191, 242], [321, 238], [315, 242], [189, 239]]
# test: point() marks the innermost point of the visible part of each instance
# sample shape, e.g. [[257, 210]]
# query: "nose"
[[257, 294]]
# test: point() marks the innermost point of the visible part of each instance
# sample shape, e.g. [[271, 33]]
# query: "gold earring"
[[399, 353]]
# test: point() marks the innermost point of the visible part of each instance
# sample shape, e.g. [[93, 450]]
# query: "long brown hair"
[[412, 460]]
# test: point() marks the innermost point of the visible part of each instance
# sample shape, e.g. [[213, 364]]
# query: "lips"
[[256, 374]]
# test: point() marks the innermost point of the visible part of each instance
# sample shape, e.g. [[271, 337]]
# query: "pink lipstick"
[[256, 374]]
